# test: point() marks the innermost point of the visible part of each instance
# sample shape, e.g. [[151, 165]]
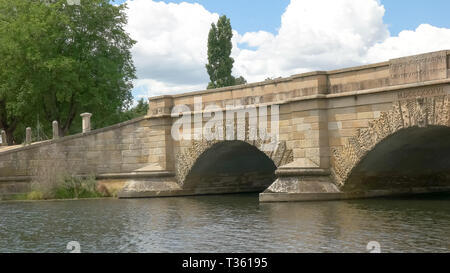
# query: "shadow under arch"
[[412, 157], [230, 167]]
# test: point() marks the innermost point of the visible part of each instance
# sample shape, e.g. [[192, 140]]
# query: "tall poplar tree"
[[220, 64]]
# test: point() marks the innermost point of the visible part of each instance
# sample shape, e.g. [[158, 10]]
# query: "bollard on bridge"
[[3, 138], [86, 122], [55, 130], [28, 136]]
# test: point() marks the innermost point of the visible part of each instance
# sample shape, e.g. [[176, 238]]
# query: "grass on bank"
[[66, 188], [69, 187]]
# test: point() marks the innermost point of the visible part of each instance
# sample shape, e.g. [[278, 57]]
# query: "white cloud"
[[257, 39], [171, 52], [425, 38], [319, 34], [151, 87]]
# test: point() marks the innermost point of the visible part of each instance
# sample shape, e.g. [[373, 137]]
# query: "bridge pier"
[[301, 180], [149, 184]]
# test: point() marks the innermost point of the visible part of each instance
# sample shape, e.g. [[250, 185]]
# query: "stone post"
[[55, 130], [4, 142], [28, 136], [86, 122]]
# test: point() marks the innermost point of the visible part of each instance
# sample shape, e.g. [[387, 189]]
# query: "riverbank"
[[25, 200], [64, 187]]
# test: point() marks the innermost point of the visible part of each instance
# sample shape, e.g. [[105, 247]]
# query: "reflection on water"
[[228, 223]]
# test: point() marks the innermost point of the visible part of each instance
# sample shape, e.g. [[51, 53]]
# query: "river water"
[[227, 223]]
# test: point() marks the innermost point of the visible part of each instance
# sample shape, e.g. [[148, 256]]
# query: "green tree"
[[220, 63], [60, 60], [240, 80], [15, 88], [139, 110]]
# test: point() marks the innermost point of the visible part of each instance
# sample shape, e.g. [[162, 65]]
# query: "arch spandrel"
[[416, 112], [186, 159]]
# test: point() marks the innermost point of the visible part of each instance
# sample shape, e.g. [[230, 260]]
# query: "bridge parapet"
[[400, 71]]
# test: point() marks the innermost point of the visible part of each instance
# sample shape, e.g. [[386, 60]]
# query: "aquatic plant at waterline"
[[55, 178]]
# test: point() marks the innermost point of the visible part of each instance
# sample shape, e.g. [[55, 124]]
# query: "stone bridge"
[[367, 131]]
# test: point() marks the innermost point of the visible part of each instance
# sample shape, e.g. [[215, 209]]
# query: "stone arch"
[[185, 160], [420, 112]]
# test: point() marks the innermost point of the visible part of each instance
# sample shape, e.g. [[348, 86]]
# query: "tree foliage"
[[240, 80], [220, 63], [139, 110], [60, 60]]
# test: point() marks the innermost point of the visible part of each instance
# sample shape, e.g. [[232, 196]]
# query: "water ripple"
[[230, 223]]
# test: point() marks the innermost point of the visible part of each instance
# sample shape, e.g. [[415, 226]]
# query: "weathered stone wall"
[[406, 70], [320, 111], [119, 149], [353, 138]]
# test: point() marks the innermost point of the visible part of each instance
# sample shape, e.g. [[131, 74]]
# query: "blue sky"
[[408, 14], [170, 53], [254, 15]]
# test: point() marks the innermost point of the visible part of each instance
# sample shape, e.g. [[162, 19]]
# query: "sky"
[[274, 38]]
